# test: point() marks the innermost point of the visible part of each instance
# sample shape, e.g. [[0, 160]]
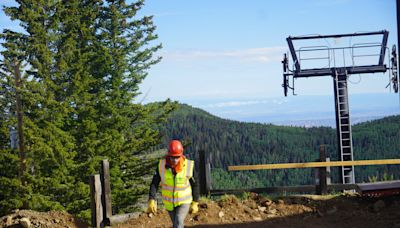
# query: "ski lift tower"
[[357, 56]]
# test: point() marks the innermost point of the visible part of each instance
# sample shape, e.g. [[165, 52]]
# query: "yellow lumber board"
[[314, 164]]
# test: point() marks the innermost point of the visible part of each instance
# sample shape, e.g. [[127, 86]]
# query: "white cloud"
[[279, 102], [266, 54], [241, 103]]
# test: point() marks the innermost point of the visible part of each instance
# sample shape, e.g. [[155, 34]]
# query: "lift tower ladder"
[[343, 126], [339, 63]]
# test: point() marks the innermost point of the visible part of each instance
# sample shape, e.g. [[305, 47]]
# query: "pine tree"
[[48, 149], [12, 172], [73, 57], [124, 54], [84, 62]]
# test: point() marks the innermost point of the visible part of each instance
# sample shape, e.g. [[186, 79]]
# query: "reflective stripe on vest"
[[176, 200], [176, 190], [169, 188], [161, 169]]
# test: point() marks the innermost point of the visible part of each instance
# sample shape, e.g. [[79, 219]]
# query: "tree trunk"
[[21, 141]]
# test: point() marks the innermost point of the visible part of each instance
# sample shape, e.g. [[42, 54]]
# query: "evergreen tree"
[[12, 192], [124, 53], [84, 62], [48, 150], [80, 92]]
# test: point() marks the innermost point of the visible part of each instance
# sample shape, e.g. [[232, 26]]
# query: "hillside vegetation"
[[237, 143]]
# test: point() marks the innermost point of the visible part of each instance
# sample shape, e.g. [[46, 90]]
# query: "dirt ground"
[[309, 211], [34, 219], [295, 211]]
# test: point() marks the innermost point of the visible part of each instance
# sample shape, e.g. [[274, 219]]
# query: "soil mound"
[[309, 211], [34, 219]]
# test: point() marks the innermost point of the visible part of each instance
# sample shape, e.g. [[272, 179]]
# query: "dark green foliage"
[[12, 192], [237, 143], [81, 64], [48, 147], [379, 139]]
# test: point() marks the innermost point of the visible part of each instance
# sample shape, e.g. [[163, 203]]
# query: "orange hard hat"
[[175, 148]]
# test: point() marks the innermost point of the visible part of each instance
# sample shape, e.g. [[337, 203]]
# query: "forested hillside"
[[235, 143]]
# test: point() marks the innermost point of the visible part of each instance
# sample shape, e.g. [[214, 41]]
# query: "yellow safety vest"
[[176, 190]]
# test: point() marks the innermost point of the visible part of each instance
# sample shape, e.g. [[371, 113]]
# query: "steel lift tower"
[[340, 62]]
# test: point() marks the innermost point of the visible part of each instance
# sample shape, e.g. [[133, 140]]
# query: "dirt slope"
[[27, 218], [296, 211], [255, 211]]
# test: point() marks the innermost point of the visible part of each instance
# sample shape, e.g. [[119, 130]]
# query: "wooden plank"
[[106, 191], [95, 196], [269, 190], [284, 189], [321, 187], [379, 185], [313, 164]]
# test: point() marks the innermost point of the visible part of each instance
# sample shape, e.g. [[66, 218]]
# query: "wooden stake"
[[321, 188], [95, 196], [106, 192]]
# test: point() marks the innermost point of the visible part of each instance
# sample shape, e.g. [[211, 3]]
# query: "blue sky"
[[227, 53], [232, 49]]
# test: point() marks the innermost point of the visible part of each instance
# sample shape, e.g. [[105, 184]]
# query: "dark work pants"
[[178, 215]]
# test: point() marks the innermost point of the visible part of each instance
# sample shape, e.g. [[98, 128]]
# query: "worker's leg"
[[172, 215], [178, 215]]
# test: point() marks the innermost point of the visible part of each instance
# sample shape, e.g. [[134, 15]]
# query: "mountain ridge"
[[236, 143], [299, 110]]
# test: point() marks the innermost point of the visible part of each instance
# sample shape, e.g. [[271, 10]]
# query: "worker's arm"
[[195, 186], [154, 185]]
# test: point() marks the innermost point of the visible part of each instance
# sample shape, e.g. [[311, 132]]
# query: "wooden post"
[[202, 164], [208, 175], [204, 174], [95, 196], [328, 172], [321, 187], [106, 192]]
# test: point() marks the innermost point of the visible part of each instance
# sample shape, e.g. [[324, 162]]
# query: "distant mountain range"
[[231, 142], [306, 111]]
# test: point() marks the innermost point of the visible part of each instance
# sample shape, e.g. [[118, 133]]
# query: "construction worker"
[[179, 190]]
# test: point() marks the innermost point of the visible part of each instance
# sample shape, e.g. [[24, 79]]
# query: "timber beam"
[[313, 164]]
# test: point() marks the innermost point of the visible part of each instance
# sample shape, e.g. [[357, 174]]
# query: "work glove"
[[194, 207], [152, 206]]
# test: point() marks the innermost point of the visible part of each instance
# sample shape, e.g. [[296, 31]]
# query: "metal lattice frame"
[[339, 75]]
